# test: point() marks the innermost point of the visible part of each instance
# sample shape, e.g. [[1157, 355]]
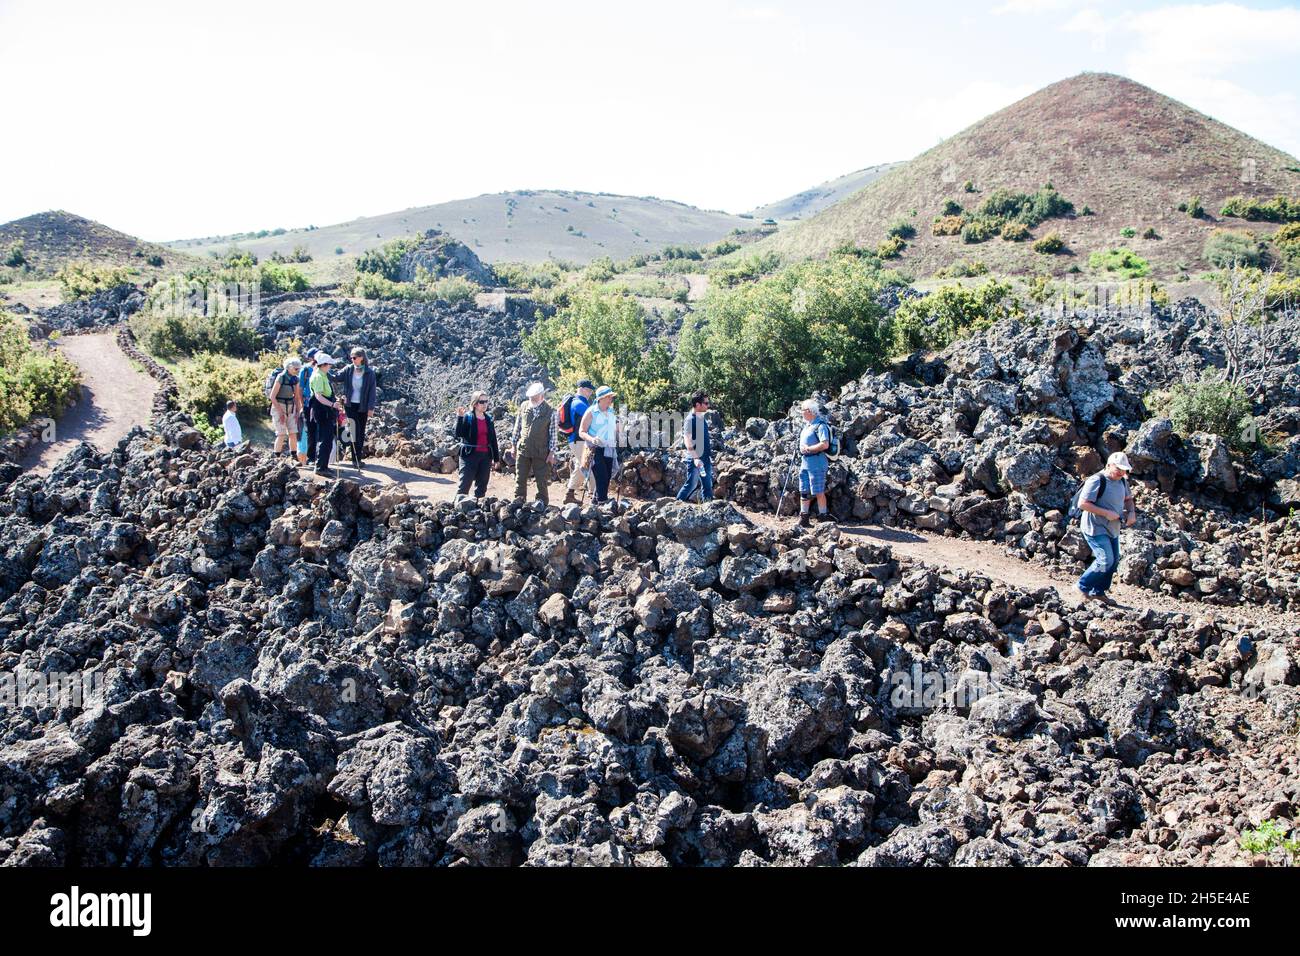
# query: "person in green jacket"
[[325, 412], [534, 441]]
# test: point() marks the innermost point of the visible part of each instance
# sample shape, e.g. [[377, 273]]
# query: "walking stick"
[[785, 484]]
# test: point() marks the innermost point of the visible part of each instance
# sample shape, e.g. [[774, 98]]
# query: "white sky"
[[181, 119]]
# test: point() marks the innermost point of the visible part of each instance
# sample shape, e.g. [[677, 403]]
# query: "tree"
[[1253, 339]]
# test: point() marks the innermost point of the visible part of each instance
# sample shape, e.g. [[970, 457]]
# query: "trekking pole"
[[788, 475]]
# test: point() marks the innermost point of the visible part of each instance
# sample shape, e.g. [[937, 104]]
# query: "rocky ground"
[[990, 439], [324, 674]]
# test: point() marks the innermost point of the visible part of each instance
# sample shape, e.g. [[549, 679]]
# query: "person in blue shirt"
[[699, 460], [814, 440], [578, 404]]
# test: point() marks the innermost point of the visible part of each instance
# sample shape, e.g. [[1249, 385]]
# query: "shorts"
[[813, 480], [281, 418]]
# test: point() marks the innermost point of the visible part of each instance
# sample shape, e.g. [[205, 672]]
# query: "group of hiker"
[[314, 401]]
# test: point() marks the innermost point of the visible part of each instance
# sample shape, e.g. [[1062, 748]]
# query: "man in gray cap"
[[534, 441], [568, 417]]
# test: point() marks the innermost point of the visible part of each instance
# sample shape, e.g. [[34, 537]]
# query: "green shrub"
[[948, 313], [15, 256], [951, 207], [529, 275], [454, 289], [338, 250], [275, 278], [1123, 262], [33, 380], [1226, 247], [891, 247], [759, 346], [751, 267], [207, 381], [1028, 208], [1193, 208], [1279, 209], [902, 229], [1050, 244], [1128, 232], [603, 337], [962, 269], [969, 187], [79, 279], [387, 259], [1015, 231], [980, 230], [168, 335], [1150, 233], [1206, 405]]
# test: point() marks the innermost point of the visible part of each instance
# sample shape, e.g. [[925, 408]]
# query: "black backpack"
[[1076, 499]]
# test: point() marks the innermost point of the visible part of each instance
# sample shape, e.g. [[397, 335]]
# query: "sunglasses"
[[481, 401]]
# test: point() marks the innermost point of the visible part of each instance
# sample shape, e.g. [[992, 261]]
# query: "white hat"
[[535, 389], [810, 405], [1119, 460], [324, 358]]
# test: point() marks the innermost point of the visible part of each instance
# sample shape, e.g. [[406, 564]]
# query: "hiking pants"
[[539, 470]]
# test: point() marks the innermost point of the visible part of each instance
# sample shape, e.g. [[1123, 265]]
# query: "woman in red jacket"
[[478, 445]]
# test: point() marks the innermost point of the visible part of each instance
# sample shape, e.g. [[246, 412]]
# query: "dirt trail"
[[958, 554], [115, 396]]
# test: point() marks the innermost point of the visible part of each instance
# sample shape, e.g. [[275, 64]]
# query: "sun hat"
[[535, 389], [324, 358], [603, 391], [1119, 460]]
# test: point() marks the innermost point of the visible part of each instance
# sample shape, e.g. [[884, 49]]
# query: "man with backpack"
[[699, 451], [815, 443], [567, 418], [1103, 503], [307, 443], [283, 390]]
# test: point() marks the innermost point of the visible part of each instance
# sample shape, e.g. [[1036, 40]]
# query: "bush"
[[603, 337], [453, 289], [33, 381], [274, 278], [891, 248], [935, 320], [1122, 262], [1193, 208], [759, 346], [387, 259], [1050, 244], [902, 229], [1015, 231], [1028, 208], [951, 207], [963, 269], [1128, 232], [78, 279], [1206, 405], [1279, 209], [207, 381], [529, 275], [155, 260], [15, 256], [751, 267], [338, 250], [170, 335], [1150, 233], [980, 230], [1227, 247], [948, 225]]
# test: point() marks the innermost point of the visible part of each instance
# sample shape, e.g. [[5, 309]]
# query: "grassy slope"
[[526, 226], [53, 239], [812, 201], [1129, 153]]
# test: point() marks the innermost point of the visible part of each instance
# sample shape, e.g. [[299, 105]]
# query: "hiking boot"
[[570, 498], [324, 472], [825, 517], [804, 521]]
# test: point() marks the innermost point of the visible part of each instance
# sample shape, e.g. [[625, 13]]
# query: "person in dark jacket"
[[356, 388], [477, 435]]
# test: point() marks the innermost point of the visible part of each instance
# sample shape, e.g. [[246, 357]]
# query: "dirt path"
[[958, 554], [115, 396]]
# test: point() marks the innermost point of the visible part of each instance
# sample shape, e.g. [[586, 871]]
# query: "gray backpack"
[[1076, 501]]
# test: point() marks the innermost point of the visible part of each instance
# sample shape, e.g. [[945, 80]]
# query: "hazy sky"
[[178, 119]]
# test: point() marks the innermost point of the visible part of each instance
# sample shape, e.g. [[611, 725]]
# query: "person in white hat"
[[1104, 501], [534, 441], [599, 429], [814, 441], [325, 409]]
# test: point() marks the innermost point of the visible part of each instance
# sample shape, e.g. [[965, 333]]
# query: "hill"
[[812, 201], [53, 239], [525, 226], [1128, 154]]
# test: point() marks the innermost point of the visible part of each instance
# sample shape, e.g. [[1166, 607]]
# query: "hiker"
[[286, 405], [359, 392], [230, 422], [478, 445], [307, 439], [1105, 501], [325, 411], [599, 429], [814, 442], [567, 418], [534, 441], [699, 463]]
